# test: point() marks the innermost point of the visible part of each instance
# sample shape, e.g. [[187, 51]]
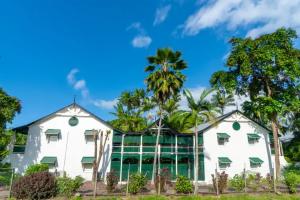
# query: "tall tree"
[[9, 107], [200, 111], [221, 100], [130, 111], [165, 80], [267, 69]]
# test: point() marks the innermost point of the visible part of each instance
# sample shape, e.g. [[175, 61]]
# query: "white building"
[[64, 140]]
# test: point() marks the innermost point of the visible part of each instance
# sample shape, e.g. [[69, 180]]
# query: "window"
[[51, 161], [87, 163], [52, 135], [224, 162], [253, 138], [222, 138], [255, 162], [89, 135]]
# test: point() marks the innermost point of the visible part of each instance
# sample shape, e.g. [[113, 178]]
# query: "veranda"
[[134, 152]]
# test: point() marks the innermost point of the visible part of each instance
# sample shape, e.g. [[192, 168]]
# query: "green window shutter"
[[149, 140], [52, 132], [201, 169], [255, 161], [252, 137], [224, 162], [167, 139], [87, 160], [50, 160], [185, 140], [223, 136], [88, 133], [19, 149], [200, 138], [132, 140], [117, 138]]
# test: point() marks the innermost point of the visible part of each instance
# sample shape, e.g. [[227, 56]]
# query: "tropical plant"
[[9, 107], [200, 111], [130, 111], [183, 185], [221, 100], [111, 181], [267, 69], [220, 182], [164, 81], [36, 168], [67, 186], [137, 182], [237, 183], [292, 180]]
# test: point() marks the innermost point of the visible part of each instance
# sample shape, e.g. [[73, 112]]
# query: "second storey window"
[[255, 162], [52, 135], [253, 138], [89, 135], [222, 138], [224, 162]]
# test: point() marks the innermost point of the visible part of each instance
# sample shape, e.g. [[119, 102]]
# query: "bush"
[[137, 182], [67, 186], [164, 178], [237, 183], [112, 181], [222, 182], [40, 185], [36, 168], [253, 181], [183, 185], [292, 179], [268, 182]]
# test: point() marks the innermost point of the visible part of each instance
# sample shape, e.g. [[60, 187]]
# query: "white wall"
[[70, 147], [238, 150]]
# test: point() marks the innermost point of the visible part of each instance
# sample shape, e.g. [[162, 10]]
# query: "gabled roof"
[[24, 129], [208, 125]]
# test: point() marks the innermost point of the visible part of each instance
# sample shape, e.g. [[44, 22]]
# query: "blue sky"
[[52, 50]]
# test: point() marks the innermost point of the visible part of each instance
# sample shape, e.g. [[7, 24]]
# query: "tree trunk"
[[276, 146], [196, 159], [155, 171], [94, 177]]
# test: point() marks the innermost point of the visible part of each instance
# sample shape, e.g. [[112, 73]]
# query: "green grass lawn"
[[222, 197]]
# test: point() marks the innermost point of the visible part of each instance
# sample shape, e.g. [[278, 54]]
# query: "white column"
[[141, 151]]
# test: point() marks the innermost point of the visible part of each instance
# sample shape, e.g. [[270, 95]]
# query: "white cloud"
[[81, 86], [161, 14], [107, 104], [262, 16], [141, 41]]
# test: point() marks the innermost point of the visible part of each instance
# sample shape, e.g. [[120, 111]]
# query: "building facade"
[[64, 140]]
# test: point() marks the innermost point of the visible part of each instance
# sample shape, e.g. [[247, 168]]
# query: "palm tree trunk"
[[276, 147], [196, 160], [155, 171]]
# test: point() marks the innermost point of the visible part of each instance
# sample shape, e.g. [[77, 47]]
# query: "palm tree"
[[221, 100], [200, 111], [164, 81]]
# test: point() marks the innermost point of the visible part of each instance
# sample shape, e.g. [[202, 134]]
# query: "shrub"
[[292, 179], [67, 186], [137, 181], [222, 181], [40, 185], [164, 178], [237, 183], [183, 185], [36, 168], [112, 181], [253, 181], [267, 182]]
